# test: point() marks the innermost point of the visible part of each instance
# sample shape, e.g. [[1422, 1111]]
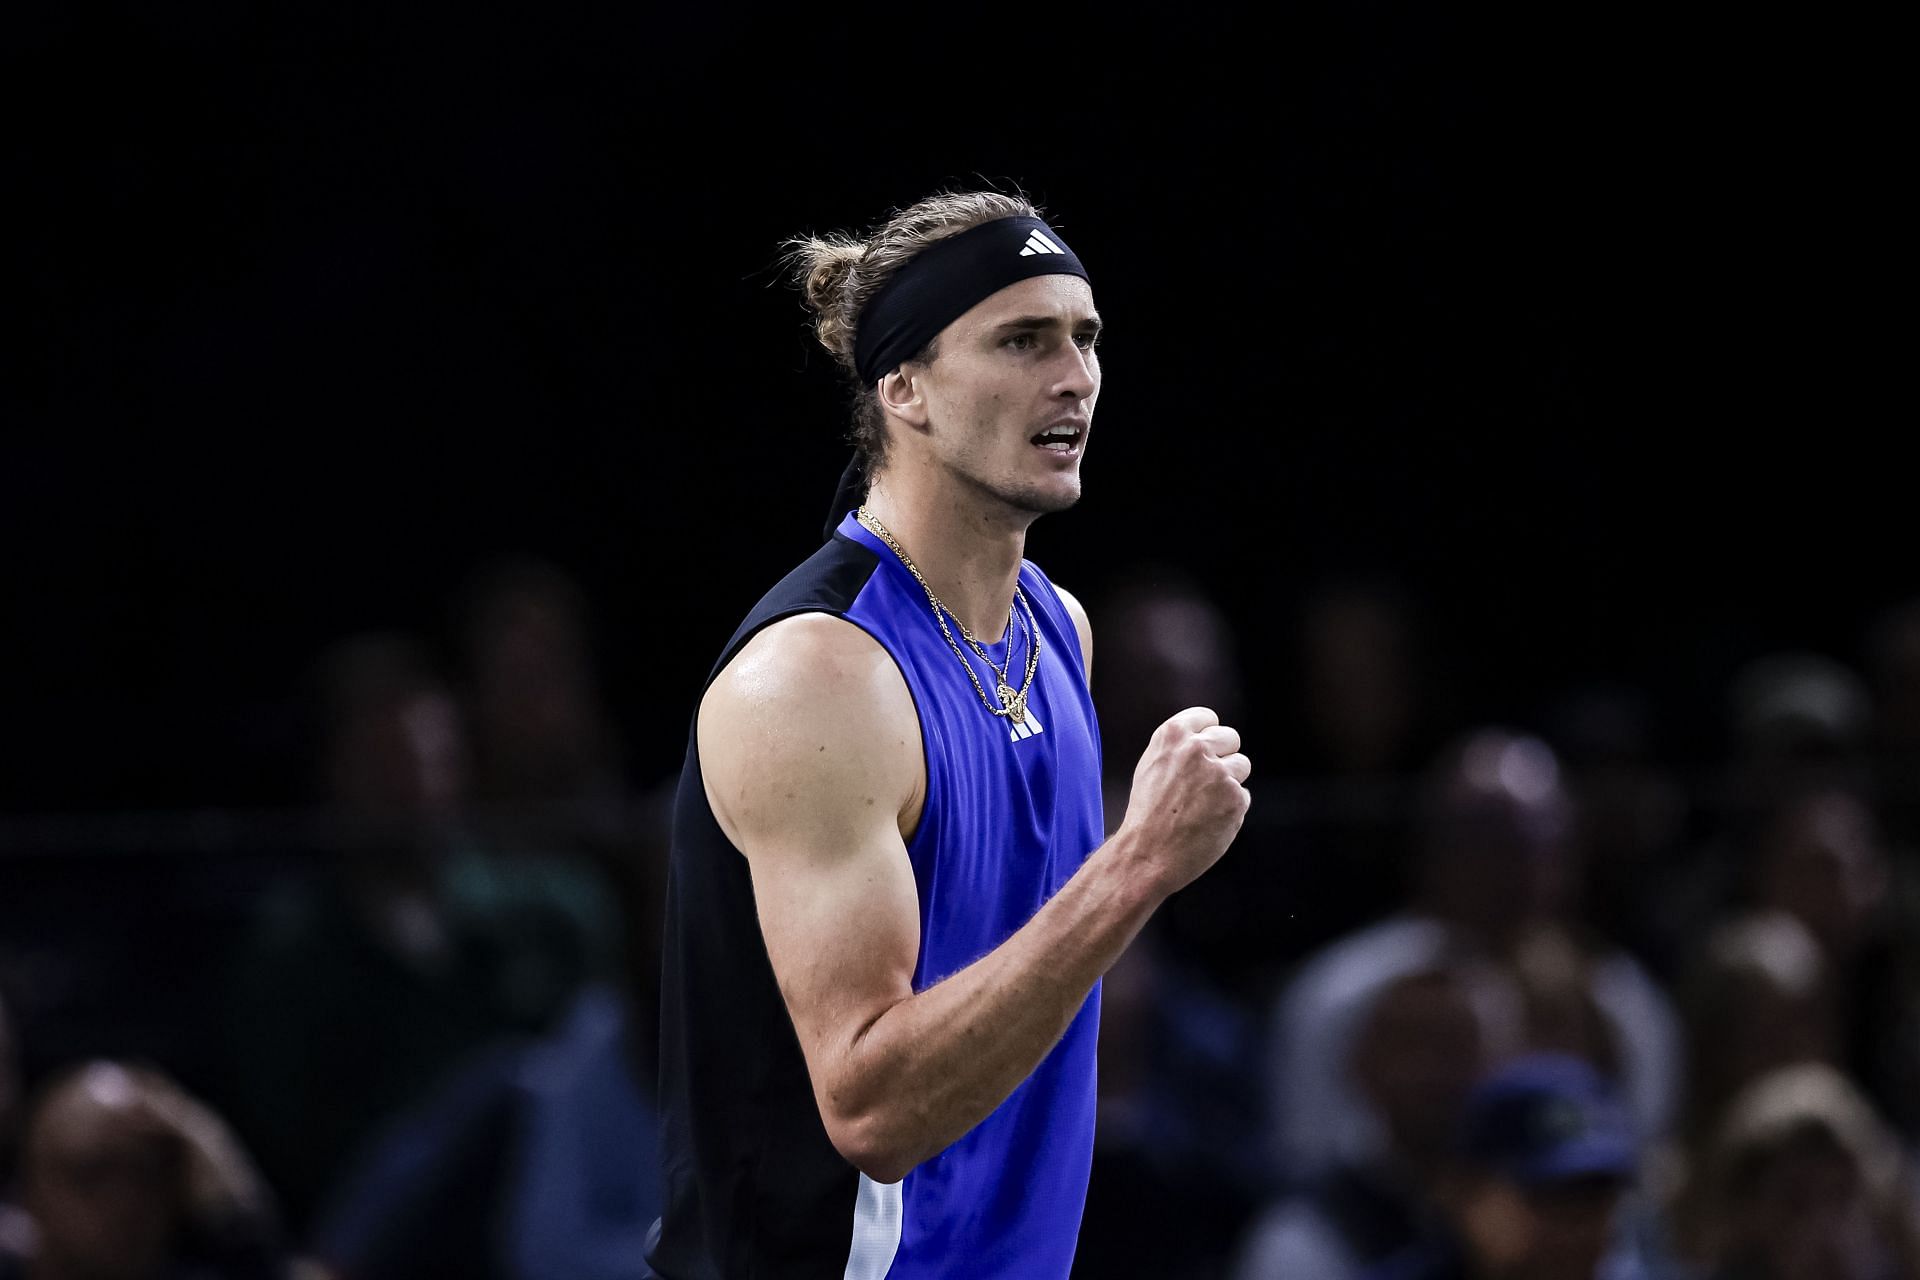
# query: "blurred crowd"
[[1466, 1000]]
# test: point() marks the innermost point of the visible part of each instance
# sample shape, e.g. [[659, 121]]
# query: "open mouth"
[[1064, 438]]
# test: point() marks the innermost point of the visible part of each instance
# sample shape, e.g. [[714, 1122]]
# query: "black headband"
[[944, 281]]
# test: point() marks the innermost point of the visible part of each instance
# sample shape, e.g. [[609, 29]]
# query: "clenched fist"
[[1188, 798]]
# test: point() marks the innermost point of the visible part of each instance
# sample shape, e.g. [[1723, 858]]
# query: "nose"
[[1079, 376]]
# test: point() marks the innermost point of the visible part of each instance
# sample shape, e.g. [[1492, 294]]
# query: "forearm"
[[932, 1066]]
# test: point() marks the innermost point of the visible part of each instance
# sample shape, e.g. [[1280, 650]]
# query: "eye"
[[1087, 340], [1022, 341]]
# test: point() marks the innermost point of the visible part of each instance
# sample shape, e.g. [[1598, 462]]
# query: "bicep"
[[809, 766], [842, 927]]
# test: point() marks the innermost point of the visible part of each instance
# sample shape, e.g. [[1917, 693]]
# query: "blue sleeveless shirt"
[[1011, 812]]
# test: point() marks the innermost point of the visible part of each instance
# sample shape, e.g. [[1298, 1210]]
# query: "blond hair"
[[839, 274]]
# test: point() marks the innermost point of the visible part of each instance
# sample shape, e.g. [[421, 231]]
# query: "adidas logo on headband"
[[941, 281], [1038, 243]]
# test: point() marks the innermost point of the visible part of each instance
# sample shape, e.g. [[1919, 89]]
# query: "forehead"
[[1066, 299]]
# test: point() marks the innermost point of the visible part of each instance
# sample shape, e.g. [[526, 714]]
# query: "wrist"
[[1141, 882]]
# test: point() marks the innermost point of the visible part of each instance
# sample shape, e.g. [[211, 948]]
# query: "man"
[[124, 1176], [1421, 1043], [1494, 868], [1806, 1182], [1549, 1154], [889, 903]]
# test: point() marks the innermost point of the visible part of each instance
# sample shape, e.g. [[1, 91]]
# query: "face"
[[404, 762], [1825, 865], [1417, 1058], [1539, 1233], [1006, 405], [1359, 679], [1808, 1217], [534, 696], [1571, 1227]]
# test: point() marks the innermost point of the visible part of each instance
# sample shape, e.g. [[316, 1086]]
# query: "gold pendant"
[[1014, 702]]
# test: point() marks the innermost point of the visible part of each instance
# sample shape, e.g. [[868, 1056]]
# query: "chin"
[[1043, 501], [1028, 495]]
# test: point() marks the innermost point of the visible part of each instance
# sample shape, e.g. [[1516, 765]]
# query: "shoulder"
[[808, 660], [811, 704], [1081, 623]]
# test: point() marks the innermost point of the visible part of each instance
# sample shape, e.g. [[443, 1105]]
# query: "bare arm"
[[810, 749]]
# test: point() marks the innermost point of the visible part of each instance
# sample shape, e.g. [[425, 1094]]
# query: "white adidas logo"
[[1037, 242], [1031, 725]]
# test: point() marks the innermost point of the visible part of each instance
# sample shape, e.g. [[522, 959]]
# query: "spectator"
[[1164, 645], [1363, 710], [1628, 813], [1177, 1162], [549, 776], [1420, 1045], [1364, 691], [360, 988], [530, 1163], [1495, 869], [1808, 1184], [1178, 1165], [543, 740], [123, 1176], [1548, 1157], [1820, 857], [1792, 711], [1757, 999], [1796, 722]]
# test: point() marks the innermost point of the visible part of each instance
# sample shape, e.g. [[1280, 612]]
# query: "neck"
[[969, 554]]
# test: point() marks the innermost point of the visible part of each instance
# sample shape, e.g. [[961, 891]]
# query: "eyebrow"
[[1045, 322]]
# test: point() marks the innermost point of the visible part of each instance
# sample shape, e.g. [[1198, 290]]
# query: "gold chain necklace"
[[1013, 702]]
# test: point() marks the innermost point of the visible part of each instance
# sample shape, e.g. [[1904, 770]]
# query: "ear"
[[902, 397]]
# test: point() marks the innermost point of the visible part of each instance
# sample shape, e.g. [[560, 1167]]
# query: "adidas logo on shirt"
[[1037, 242], [1031, 726]]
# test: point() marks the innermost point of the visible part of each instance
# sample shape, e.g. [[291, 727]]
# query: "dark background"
[[1583, 325]]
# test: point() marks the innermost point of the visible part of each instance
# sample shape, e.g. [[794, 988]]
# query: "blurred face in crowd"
[[1554, 1232], [1359, 674], [1757, 1000], [402, 762], [1822, 862], [1495, 850], [1804, 1216], [535, 706], [1417, 1057], [1164, 649], [103, 1180], [1570, 1227]]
